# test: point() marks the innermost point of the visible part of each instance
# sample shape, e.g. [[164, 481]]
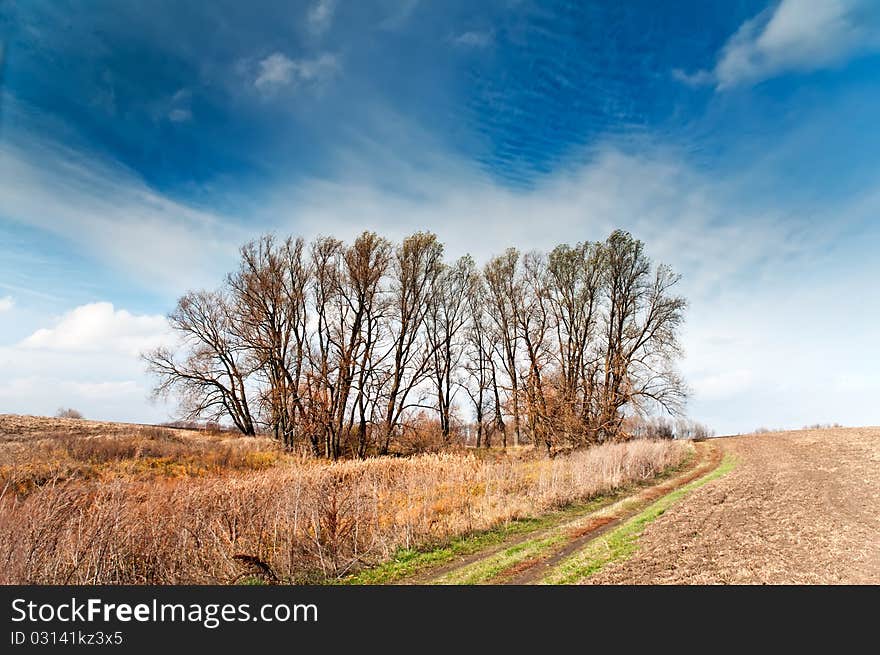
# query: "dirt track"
[[708, 458], [800, 507]]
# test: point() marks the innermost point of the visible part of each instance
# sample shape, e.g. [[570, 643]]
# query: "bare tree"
[[322, 381], [348, 308], [478, 369], [416, 265], [367, 262], [345, 347], [574, 288], [504, 298], [446, 318], [533, 325], [268, 305], [212, 379], [640, 333]]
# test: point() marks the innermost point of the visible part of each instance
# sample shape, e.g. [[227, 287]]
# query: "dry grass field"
[[88, 502], [36, 452]]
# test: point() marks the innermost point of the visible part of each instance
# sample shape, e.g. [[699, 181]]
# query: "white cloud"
[[106, 390], [105, 211], [399, 16], [178, 115], [793, 36], [277, 71], [856, 383], [41, 395], [474, 39], [320, 16], [100, 327], [6, 303], [87, 359], [681, 214], [310, 70], [700, 78], [177, 108], [181, 96], [723, 384]]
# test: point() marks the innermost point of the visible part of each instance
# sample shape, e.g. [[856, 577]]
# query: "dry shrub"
[[305, 521], [68, 413], [420, 435]]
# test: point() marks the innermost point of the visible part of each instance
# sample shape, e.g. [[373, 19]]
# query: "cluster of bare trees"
[[346, 347], [661, 427]]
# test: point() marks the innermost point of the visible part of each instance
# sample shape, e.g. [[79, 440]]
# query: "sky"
[[141, 143]]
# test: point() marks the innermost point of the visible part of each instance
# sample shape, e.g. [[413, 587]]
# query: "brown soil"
[[799, 508]]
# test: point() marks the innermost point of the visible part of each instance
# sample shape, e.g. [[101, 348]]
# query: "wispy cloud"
[[179, 115], [6, 303], [104, 94], [793, 36], [698, 78], [320, 16], [278, 70], [107, 212], [180, 106], [274, 70], [399, 16], [682, 214], [474, 39]]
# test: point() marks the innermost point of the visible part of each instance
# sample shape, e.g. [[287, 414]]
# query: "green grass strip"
[[622, 542], [410, 561], [487, 568]]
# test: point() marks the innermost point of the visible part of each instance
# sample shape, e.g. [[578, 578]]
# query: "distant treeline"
[[373, 346]]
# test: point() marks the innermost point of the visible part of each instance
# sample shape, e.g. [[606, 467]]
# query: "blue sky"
[[142, 142]]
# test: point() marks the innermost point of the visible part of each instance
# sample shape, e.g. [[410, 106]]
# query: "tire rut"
[[531, 571]]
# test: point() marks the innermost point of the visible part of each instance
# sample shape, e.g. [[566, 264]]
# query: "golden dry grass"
[[296, 520], [36, 451]]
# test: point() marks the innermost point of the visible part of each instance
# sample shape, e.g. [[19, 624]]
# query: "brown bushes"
[[303, 521], [68, 413]]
